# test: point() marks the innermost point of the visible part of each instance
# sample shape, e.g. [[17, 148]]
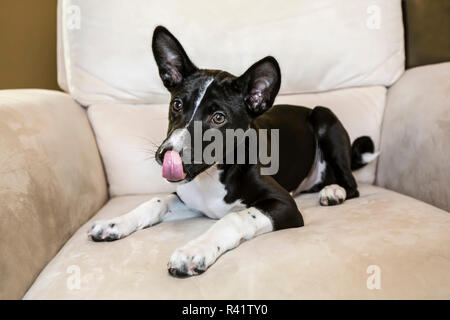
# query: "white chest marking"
[[206, 194]]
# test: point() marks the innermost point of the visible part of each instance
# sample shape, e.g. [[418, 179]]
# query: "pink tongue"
[[172, 166]]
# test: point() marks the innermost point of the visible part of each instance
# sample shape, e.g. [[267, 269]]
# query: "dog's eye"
[[177, 105], [218, 118]]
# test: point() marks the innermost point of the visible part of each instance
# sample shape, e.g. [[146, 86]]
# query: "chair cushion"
[[128, 135], [105, 55], [415, 139], [400, 241], [51, 181]]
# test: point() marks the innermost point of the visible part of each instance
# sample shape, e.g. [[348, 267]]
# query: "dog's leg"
[[145, 215], [227, 233], [277, 212], [335, 145]]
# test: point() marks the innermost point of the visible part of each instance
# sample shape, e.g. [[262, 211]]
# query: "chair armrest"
[[51, 181], [415, 138]]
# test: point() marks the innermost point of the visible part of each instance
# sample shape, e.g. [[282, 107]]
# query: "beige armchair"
[[63, 165]]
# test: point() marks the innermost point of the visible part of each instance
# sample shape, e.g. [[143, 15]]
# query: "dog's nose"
[[159, 156]]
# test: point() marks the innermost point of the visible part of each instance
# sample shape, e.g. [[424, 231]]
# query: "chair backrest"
[[104, 46]]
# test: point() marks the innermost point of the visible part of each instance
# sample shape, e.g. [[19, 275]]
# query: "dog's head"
[[212, 98]]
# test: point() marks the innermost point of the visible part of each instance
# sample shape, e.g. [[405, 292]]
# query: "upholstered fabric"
[[51, 181], [105, 46], [382, 236], [415, 145], [128, 135]]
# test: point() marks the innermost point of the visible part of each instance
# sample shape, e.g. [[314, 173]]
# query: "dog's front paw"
[[105, 231], [332, 195], [192, 259]]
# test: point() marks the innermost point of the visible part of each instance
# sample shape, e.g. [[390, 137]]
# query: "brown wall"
[[427, 25], [28, 44], [28, 39]]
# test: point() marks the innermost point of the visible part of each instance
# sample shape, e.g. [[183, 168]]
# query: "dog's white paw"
[[193, 259], [109, 230], [332, 195], [145, 215]]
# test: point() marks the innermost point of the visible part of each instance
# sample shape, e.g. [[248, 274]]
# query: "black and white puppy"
[[315, 154]]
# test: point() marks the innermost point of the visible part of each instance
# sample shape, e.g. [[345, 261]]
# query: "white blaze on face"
[[178, 139], [181, 137], [200, 96]]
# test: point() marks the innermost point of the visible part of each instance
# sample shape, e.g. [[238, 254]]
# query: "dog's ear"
[[173, 63], [260, 84]]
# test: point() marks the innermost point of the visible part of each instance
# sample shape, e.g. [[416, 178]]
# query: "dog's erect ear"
[[261, 83], [173, 63]]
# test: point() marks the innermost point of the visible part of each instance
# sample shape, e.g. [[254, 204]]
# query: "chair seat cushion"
[[381, 245]]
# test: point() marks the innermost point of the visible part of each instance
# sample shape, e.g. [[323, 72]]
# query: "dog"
[[315, 155]]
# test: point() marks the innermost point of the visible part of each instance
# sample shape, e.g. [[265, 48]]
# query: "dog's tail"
[[363, 152]]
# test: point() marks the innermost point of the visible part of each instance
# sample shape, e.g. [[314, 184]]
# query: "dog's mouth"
[[172, 168]]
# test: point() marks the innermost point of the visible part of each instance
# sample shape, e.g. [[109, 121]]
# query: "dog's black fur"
[[315, 154], [246, 101]]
